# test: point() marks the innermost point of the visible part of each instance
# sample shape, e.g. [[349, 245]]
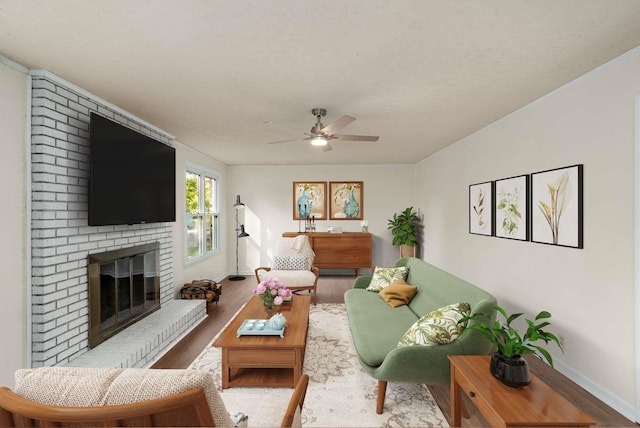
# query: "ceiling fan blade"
[[284, 141], [326, 148], [355, 137], [338, 124], [281, 129]]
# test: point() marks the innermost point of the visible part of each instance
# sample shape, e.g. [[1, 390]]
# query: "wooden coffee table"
[[265, 360], [503, 406]]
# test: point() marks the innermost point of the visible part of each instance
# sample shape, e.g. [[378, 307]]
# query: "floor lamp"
[[240, 233]]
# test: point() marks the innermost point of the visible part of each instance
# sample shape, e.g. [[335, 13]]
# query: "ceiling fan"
[[320, 135]]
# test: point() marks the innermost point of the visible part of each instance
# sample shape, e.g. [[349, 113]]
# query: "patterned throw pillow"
[[298, 263], [385, 276], [289, 263], [438, 327]]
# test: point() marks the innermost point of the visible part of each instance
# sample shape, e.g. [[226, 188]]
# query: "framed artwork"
[[481, 208], [511, 208], [556, 207], [345, 200], [310, 200]]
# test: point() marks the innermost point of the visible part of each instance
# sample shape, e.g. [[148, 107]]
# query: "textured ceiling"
[[420, 74]]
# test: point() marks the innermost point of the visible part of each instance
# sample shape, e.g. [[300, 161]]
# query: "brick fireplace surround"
[[61, 239]]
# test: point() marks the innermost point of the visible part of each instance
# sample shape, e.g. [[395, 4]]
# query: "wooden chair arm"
[[266, 269], [191, 406], [296, 400]]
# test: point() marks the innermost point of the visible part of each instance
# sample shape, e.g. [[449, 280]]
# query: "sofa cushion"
[[81, 386], [384, 276], [375, 326], [290, 278], [438, 327], [65, 386], [398, 293], [438, 288], [146, 384]]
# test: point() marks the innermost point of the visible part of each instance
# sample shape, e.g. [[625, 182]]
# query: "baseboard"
[[621, 406]]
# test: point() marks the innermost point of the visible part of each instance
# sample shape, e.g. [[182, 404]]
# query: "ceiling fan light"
[[319, 141]]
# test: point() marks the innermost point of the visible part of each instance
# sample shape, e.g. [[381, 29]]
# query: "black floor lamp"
[[240, 233]]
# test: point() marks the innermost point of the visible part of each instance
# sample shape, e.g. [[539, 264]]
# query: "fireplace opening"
[[124, 287]]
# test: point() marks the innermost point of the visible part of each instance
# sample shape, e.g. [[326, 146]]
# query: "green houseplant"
[[507, 363], [404, 227]]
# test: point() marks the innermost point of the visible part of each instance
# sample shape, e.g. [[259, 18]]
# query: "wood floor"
[[331, 290]]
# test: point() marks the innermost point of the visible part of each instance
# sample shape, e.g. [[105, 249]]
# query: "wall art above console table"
[[346, 199], [348, 250]]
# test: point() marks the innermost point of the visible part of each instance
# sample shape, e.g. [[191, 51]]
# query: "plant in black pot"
[[404, 227], [507, 364]]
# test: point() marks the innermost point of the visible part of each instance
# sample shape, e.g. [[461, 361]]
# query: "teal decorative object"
[[304, 205], [351, 207], [277, 322]]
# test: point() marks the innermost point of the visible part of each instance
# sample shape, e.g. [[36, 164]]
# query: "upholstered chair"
[[293, 265]]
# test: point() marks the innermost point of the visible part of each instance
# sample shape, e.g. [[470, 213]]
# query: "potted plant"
[[404, 227], [507, 363]]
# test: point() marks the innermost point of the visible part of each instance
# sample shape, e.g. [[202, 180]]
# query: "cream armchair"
[[293, 265], [74, 396]]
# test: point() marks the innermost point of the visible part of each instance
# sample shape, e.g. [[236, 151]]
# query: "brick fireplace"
[[61, 239]]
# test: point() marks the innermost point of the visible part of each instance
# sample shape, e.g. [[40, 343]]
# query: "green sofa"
[[377, 327]]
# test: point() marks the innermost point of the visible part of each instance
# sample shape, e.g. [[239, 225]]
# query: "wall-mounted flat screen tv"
[[132, 177]]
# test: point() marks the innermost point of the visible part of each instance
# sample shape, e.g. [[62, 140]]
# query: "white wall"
[[590, 292], [267, 192], [13, 306], [213, 266]]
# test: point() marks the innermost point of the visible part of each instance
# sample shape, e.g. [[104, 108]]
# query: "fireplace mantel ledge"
[[143, 343]]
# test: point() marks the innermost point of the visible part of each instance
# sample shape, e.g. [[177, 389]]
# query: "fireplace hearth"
[[124, 287]]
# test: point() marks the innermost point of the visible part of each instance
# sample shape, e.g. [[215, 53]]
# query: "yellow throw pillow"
[[398, 293]]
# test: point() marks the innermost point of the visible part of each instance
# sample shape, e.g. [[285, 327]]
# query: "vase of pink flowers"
[[272, 292]]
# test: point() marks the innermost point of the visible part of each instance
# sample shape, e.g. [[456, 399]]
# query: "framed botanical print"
[[345, 200], [511, 208], [310, 200], [556, 207], [481, 208]]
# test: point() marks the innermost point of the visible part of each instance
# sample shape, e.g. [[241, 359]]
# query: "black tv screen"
[[132, 177]]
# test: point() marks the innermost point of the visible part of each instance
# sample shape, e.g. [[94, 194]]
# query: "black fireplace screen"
[[124, 286]]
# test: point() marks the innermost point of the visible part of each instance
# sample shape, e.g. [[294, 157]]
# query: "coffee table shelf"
[[265, 377]]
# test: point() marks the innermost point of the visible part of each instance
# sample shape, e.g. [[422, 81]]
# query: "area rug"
[[340, 393]]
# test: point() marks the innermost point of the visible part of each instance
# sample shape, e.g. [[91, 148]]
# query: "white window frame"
[[215, 212]]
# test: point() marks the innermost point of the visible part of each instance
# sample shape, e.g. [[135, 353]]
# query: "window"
[[202, 213]]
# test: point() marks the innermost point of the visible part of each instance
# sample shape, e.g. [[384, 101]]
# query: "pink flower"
[[260, 288], [272, 290]]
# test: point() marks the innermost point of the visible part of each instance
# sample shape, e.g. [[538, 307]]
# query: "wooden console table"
[[347, 250], [503, 406]]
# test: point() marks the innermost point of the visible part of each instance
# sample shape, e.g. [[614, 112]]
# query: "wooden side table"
[[503, 406]]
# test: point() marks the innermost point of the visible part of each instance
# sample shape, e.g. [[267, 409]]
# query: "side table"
[[503, 406]]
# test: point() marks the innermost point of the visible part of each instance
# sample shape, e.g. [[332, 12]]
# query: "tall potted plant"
[[507, 364], [404, 227]]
